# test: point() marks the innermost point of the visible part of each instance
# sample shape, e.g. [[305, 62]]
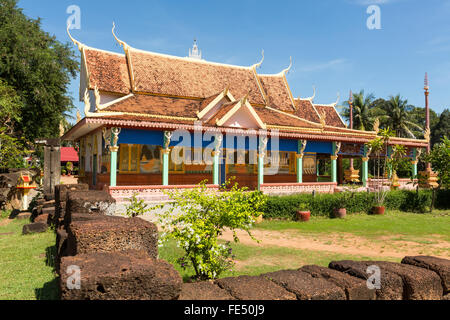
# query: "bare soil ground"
[[393, 246]]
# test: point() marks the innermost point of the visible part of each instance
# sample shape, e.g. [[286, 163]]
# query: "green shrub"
[[285, 207]]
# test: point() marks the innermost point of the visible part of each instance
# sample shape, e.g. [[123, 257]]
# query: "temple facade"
[[154, 121]]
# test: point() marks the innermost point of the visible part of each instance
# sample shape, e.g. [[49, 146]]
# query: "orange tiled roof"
[[107, 71], [277, 92], [332, 116], [184, 77], [305, 110], [155, 105]]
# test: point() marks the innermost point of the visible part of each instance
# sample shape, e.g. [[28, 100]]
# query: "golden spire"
[[75, 42]]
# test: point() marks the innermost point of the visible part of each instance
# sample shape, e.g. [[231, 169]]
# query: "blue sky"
[[330, 44]]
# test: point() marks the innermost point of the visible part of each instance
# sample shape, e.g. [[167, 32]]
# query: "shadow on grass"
[[50, 256], [14, 214], [50, 291]]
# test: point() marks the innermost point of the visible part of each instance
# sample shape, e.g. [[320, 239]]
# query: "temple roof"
[[144, 87], [332, 117]]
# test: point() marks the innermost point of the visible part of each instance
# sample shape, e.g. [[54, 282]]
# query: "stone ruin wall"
[[118, 259]]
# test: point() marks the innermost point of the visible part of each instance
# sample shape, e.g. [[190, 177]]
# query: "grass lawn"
[[389, 237], [392, 223], [24, 271], [26, 274]]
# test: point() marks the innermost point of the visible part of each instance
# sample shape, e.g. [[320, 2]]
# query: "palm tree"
[[395, 114], [362, 111]]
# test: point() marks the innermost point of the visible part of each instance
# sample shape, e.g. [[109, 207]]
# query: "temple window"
[[136, 158]]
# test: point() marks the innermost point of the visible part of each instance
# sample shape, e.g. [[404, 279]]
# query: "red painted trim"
[[210, 186], [299, 184]]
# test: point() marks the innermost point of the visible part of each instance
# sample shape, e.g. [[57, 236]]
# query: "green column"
[[114, 148], [389, 167], [113, 168], [166, 153], [216, 155], [414, 164], [301, 146], [260, 170], [365, 168], [299, 168], [334, 164]]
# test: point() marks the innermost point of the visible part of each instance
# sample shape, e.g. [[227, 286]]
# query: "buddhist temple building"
[[154, 121]]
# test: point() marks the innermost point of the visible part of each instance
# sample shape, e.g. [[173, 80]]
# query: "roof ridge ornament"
[[258, 65], [120, 42], [311, 99], [288, 69], [75, 42], [332, 104]]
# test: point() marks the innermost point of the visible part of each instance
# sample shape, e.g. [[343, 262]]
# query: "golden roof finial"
[[78, 116], [288, 69], [75, 42], [323, 118], [258, 65], [376, 125], [313, 96], [427, 134], [97, 98], [122, 43], [87, 104]]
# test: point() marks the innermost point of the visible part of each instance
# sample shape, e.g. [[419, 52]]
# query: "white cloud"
[[322, 66]]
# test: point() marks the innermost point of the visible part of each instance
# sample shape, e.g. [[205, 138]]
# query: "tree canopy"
[[35, 73]]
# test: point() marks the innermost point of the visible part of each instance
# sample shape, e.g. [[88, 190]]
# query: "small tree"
[[137, 207], [69, 167], [197, 217], [378, 145], [439, 158]]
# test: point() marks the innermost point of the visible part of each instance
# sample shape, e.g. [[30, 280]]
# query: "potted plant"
[[303, 213], [69, 168], [340, 210]]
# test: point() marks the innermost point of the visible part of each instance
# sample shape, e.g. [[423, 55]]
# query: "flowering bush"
[[197, 217], [136, 207]]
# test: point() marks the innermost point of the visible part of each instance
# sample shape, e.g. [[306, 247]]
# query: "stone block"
[[23, 216], [254, 288], [62, 190], [130, 275], [391, 284], [42, 218], [37, 227], [438, 265], [111, 234], [355, 288], [305, 286], [206, 290], [90, 202], [418, 283]]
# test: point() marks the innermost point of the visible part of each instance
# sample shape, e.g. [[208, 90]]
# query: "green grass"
[[254, 260], [392, 223], [25, 273]]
